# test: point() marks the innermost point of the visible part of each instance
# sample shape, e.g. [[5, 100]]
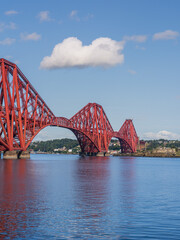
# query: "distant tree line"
[[50, 145], [153, 144]]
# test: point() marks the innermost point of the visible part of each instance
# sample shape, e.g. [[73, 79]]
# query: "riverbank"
[[146, 154]]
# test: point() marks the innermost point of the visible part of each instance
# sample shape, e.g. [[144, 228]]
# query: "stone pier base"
[[107, 154], [24, 154], [16, 154], [87, 154], [10, 155], [100, 154]]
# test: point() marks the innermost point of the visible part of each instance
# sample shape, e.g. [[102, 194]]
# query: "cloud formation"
[[11, 12], [162, 135], [88, 16], [166, 35], [4, 26], [44, 16], [7, 41], [136, 38], [33, 36], [103, 52], [74, 15]]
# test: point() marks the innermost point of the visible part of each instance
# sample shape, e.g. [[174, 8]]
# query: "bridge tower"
[[23, 113], [92, 129], [127, 137]]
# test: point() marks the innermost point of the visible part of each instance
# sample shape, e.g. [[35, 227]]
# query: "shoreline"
[[147, 155], [125, 155]]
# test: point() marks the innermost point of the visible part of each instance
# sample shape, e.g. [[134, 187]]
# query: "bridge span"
[[23, 114]]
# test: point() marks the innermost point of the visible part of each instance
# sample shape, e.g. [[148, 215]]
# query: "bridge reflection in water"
[[17, 198], [104, 193], [65, 196]]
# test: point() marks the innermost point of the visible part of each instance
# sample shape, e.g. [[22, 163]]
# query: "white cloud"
[[166, 35], [4, 26], [162, 135], [11, 12], [44, 16], [132, 72], [103, 52], [74, 15], [11, 26], [33, 36], [7, 41], [136, 38], [88, 16]]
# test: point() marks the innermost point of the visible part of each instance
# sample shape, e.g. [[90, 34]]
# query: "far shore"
[[124, 154], [163, 155]]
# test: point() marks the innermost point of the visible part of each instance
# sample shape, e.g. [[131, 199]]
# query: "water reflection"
[[15, 192], [91, 191], [66, 197], [127, 194], [128, 181]]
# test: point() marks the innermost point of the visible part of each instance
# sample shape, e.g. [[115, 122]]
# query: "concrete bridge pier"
[[102, 154], [10, 155], [24, 154], [99, 154], [16, 154]]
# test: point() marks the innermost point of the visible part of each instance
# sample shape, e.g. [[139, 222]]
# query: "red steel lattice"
[[128, 137], [23, 113]]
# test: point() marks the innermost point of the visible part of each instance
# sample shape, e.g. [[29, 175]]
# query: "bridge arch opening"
[[120, 144], [57, 132], [53, 132]]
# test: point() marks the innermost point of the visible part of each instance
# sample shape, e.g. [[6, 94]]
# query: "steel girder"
[[128, 137], [96, 130], [23, 114]]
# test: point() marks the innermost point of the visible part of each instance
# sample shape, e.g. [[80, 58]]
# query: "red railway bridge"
[[23, 114]]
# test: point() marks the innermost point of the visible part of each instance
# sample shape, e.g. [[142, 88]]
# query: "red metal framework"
[[23, 113], [92, 128], [128, 137]]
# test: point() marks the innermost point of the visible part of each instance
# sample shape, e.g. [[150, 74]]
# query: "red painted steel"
[[23, 113], [128, 137], [92, 128]]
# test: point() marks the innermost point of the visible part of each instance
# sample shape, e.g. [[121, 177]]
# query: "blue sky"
[[138, 79]]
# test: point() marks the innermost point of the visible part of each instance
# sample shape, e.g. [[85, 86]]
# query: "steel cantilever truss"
[[23, 113], [128, 137], [92, 128]]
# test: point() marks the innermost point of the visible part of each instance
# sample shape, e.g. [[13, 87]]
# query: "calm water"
[[66, 197]]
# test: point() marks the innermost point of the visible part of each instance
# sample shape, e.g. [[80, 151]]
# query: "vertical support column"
[[8, 127]]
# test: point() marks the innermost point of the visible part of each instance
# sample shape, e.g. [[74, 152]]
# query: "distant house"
[[142, 145], [164, 150]]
